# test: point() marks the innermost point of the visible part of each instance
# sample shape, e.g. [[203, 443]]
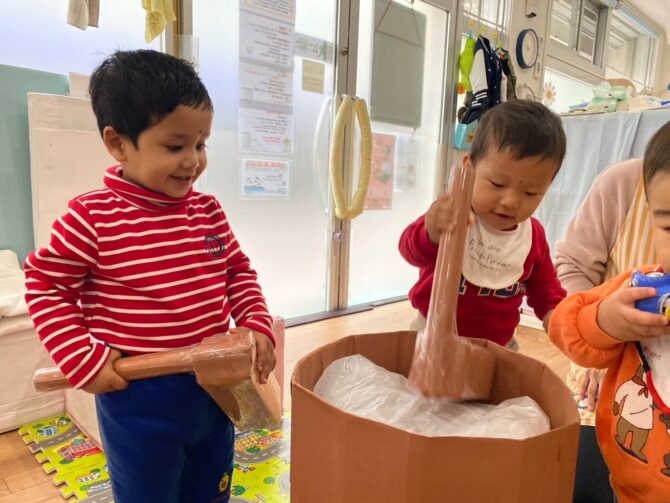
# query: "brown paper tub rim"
[[341, 457], [571, 417]]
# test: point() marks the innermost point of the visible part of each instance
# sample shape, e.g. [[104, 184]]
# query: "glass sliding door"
[[275, 70], [269, 67], [405, 60]]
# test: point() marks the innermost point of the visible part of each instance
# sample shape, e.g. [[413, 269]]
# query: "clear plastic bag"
[[358, 386]]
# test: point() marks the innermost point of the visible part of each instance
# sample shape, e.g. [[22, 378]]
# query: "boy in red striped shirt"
[[147, 264]]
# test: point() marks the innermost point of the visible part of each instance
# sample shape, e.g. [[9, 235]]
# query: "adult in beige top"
[[609, 234]]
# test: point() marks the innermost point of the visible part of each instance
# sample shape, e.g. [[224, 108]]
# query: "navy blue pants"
[[166, 441]]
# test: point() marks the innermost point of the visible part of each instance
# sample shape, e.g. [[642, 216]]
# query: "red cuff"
[[258, 326], [89, 370]]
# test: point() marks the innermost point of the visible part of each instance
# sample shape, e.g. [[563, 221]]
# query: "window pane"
[[588, 30], [486, 13], [562, 25], [471, 7], [52, 45], [629, 50], [641, 59], [618, 45], [490, 11]]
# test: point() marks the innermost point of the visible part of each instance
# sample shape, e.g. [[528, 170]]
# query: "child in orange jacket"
[[602, 328]]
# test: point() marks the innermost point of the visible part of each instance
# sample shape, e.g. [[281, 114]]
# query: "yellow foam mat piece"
[[40, 434], [79, 467], [262, 466]]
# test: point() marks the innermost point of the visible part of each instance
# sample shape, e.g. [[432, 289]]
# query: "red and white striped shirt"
[[140, 272]]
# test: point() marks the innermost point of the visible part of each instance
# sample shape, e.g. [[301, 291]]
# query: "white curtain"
[[594, 143]]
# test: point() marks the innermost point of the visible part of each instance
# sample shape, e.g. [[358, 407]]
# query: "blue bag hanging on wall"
[[464, 134]]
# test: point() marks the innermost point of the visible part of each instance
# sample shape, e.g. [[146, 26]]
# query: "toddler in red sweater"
[[517, 151]]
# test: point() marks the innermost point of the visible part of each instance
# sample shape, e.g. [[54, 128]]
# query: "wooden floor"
[[22, 479]]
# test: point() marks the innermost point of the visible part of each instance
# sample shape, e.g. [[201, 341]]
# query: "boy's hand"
[[591, 387], [107, 379], [441, 217], [618, 317], [265, 356]]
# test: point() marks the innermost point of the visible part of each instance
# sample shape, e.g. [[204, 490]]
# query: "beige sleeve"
[[581, 256]]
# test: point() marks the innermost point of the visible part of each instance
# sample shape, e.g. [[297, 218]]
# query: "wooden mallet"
[[224, 365], [445, 364]]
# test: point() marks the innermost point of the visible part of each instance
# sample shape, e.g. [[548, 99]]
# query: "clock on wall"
[[527, 48]]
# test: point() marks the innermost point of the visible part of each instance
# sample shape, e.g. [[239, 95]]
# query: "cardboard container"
[[339, 457]]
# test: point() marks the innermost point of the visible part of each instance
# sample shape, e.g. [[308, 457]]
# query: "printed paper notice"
[[265, 131], [266, 84], [264, 178], [278, 9], [380, 190], [313, 76], [407, 163], [313, 48], [266, 40]]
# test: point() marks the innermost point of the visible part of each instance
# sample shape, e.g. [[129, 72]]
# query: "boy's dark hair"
[[657, 155], [526, 128], [134, 90]]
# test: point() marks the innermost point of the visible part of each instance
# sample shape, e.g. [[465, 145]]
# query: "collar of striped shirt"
[[139, 196]]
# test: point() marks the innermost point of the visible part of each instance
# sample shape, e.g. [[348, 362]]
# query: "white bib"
[[657, 352], [494, 259]]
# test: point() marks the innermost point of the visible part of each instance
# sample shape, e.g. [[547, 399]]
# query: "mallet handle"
[[130, 368]]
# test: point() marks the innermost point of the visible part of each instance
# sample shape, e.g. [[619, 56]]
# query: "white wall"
[[542, 22], [662, 69], [539, 23]]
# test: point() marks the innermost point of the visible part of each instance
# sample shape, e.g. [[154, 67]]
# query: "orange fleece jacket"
[[633, 434]]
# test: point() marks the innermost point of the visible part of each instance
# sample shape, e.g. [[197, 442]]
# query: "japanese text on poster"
[[265, 84], [266, 40], [282, 9], [265, 131], [313, 76], [313, 48]]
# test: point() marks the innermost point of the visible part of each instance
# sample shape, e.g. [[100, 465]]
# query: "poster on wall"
[[266, 41], [265, 131], [264, 84], [380, 190], [407, 163], [313, 48], [277, 9], [313, 76], [264, 178]]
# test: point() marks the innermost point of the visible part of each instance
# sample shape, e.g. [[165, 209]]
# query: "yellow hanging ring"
[[343, 117]]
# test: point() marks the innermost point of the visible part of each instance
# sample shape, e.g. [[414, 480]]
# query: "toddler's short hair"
[[657, 155], [134, 90], [526, 128]]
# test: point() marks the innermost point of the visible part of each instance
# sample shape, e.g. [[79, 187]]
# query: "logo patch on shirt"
[[214, 245]]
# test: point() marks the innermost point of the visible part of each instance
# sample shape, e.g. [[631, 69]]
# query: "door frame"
[[346, 63]]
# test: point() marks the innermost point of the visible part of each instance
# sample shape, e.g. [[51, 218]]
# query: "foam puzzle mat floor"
[[79, 467]]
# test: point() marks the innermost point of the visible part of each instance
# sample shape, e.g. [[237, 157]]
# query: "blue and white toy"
[[660, 303]]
